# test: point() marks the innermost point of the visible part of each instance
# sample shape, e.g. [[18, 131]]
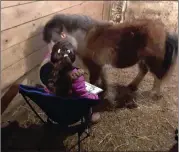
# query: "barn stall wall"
[[22, 47], [166, 11]]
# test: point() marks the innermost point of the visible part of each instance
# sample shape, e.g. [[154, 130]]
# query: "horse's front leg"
[[109, 91], [143, 69]]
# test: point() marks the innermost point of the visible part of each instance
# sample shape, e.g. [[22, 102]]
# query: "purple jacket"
[[79, 88]]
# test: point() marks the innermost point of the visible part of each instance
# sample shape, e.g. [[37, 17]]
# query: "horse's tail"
[[171, 55], [8, 96], [171, 50]]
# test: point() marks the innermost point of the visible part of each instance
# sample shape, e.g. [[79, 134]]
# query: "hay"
[[149, 127]]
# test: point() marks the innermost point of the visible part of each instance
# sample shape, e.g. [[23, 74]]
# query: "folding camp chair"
[[61, 111]]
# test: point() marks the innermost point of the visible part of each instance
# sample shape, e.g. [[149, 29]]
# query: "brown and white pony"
[[143, 42]]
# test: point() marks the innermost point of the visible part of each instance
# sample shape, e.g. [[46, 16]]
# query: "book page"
[[92, 89]]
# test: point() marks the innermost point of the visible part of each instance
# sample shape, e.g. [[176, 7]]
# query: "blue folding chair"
[[61, 111]]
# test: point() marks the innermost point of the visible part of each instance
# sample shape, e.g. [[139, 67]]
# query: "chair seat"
[[61, 110]]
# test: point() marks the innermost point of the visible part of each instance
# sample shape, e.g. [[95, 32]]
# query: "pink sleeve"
[[79, 88]]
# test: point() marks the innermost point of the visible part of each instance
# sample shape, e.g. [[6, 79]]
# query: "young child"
[[64, 79]]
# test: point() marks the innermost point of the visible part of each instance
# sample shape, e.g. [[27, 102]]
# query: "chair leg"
[[88, 130], [49, 121], [79, 141], [89, 121], [85, 121], [33, 109]]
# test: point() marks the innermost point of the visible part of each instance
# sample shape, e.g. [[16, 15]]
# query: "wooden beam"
[[21, 50], [21, 33], [5, 4], [14, 16], [106, 10], [17, 70], [23, 56]]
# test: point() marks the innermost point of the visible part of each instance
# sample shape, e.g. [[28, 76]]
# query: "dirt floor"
[[148, 127]]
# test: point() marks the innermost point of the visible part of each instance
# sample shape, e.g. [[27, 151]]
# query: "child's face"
[[64, 53]]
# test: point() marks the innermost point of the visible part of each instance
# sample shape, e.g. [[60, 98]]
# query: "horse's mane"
[[71, 22]]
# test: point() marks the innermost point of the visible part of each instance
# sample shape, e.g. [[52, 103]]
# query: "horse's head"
[[61, 34]]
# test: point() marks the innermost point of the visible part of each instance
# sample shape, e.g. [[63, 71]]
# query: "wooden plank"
[[20, 33], [106, 10], [26, 64], [30, 78], [14, 72], [20, 51], [5, 4], [90, 8], [21, 14]]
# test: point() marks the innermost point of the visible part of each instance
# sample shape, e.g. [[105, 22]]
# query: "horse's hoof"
[[155, 95], [131, 105], [132, 87], [176, 135], [95, 118]]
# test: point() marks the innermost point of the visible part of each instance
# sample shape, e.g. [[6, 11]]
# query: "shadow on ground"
[[36, 137]]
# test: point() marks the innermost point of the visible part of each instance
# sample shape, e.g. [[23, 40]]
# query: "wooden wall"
[[22, 47]]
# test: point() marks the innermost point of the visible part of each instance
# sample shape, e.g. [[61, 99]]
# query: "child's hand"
[[78, 73]]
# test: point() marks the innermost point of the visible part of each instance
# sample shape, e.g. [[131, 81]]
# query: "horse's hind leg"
[[161, 75], [143, 69], [156, 85], [156, 89]]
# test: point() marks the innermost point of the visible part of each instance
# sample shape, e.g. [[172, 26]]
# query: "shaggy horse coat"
[[75, 25], [142, 42]]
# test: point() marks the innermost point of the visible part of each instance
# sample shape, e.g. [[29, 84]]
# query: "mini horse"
[[142, 42]]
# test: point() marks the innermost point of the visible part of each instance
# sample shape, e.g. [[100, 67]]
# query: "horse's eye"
[[68, 51], [59, 50]]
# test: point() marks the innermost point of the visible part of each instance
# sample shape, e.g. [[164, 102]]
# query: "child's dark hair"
[[62, 58]]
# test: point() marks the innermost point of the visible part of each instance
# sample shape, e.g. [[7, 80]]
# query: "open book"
[[92, 89]]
